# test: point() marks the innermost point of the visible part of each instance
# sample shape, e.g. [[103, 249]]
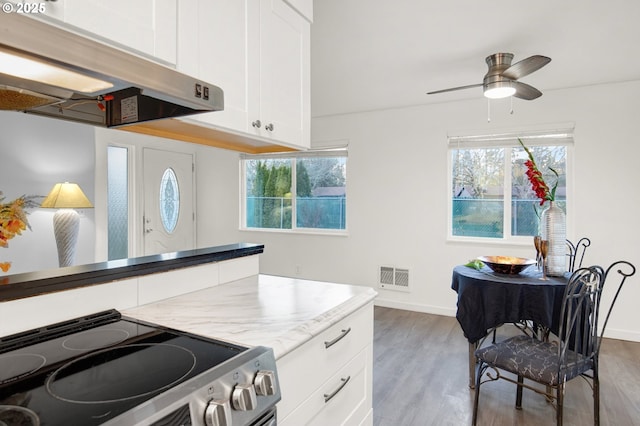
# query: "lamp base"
[[66, 225]]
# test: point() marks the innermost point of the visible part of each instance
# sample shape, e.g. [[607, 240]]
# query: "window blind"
[[558, 137]]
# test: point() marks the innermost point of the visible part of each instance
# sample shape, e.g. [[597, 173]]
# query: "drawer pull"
[[328, 396], [337, 339]]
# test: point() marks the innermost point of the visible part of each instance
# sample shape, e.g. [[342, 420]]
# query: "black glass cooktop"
[[89, 370]]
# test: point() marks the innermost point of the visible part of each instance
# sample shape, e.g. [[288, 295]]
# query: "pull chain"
[[511, 111], [488, 110]]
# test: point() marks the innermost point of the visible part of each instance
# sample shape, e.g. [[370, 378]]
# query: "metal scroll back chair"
[[553, 363], [575, 253]]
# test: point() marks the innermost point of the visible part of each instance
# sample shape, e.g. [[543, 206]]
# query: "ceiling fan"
[[502, 78]]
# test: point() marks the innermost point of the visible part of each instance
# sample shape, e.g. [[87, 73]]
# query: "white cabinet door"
[[165, 30], [42, 9], [258, 53], [146, 26], [283, 84], [342, 354], [303, 7], [215, 39]]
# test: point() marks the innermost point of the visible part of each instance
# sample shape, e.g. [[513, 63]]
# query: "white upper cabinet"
[[259, 54], [212, 45], [144, 26], [303, 7], [282, 91]]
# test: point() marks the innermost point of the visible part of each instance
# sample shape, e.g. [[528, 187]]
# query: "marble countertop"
[[278, 312]]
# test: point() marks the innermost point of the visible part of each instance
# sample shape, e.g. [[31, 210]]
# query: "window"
[[118, 202], [169, 200], [491, 196], [295, 191]]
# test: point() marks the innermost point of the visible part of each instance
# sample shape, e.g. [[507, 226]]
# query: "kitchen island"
[[32, 300], [321, 334]]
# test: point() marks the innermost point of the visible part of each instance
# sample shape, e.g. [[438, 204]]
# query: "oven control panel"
[[241, 391]]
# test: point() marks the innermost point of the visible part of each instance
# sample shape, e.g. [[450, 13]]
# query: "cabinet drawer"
[[344, 399], [302, 371], [335, 346]]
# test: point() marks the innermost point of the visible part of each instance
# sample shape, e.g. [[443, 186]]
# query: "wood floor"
[[420, 377]]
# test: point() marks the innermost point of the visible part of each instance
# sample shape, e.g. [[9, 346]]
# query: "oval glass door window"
[[169, 200]]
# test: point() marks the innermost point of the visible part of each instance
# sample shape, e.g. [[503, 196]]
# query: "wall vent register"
[[392, 278]]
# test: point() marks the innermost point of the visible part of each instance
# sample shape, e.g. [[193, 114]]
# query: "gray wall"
[[36, 153]]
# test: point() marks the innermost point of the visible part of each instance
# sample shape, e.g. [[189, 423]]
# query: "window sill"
[[516, 241], [300, 231]]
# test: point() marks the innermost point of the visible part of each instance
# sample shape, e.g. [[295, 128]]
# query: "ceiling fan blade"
[[455, 88], [526, 92], [525, 67]]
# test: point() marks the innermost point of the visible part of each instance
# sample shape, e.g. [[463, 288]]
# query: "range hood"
[[88, 81]]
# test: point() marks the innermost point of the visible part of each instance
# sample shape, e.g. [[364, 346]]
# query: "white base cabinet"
[[328, 380]]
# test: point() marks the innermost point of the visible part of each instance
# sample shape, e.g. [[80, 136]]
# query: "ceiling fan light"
[[499, 90]]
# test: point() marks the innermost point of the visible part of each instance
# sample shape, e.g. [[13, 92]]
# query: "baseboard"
[[612, 333], [631, 336], [427, 309]]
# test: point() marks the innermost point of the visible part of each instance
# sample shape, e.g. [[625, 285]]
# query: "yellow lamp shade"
[[66, 196]]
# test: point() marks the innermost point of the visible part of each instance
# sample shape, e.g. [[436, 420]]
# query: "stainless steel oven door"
[[269, 419]]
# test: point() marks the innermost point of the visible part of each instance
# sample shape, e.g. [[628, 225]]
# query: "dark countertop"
[[29, 284]]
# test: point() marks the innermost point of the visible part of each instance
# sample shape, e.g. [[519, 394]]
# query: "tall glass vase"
[[553, 228]]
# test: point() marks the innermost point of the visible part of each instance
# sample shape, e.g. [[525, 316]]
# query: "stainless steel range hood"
[[88, 81]]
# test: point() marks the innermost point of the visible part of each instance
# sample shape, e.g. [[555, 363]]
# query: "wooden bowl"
[[506, 264]]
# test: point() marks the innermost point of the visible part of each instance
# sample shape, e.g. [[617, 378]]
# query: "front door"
[[169, 222]]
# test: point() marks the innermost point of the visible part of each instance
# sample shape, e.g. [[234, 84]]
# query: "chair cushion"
[[534, 359]]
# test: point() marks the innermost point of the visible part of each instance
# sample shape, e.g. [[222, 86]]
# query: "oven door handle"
[[329, 396]]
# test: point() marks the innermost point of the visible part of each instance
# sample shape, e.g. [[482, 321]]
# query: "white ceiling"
[[376, 54]]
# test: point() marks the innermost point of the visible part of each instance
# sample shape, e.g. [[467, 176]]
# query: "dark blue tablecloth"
[[487, 299]]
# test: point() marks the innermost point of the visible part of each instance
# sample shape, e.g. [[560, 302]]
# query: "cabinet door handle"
[[337, 339], [257, 124], [328, 396], [269, 127]]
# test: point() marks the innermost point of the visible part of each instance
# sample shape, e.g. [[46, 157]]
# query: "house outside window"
[[491, 196], [295, 191]]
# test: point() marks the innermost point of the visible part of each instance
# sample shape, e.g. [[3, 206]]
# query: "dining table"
[[487, 300]]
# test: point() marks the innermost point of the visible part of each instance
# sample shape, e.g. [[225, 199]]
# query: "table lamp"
[[66, 221]]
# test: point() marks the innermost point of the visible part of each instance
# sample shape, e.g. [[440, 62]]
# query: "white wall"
[[216, 186], [217, 174], [398, 191], [35, 154]]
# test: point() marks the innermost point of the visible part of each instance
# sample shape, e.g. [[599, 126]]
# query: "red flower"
[[538, 185]]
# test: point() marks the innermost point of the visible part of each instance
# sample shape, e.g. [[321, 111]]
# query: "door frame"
[[146, 210], [135, 143]]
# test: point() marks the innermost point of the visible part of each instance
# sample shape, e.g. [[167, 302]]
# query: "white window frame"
[[558, 136], [324, 153]]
